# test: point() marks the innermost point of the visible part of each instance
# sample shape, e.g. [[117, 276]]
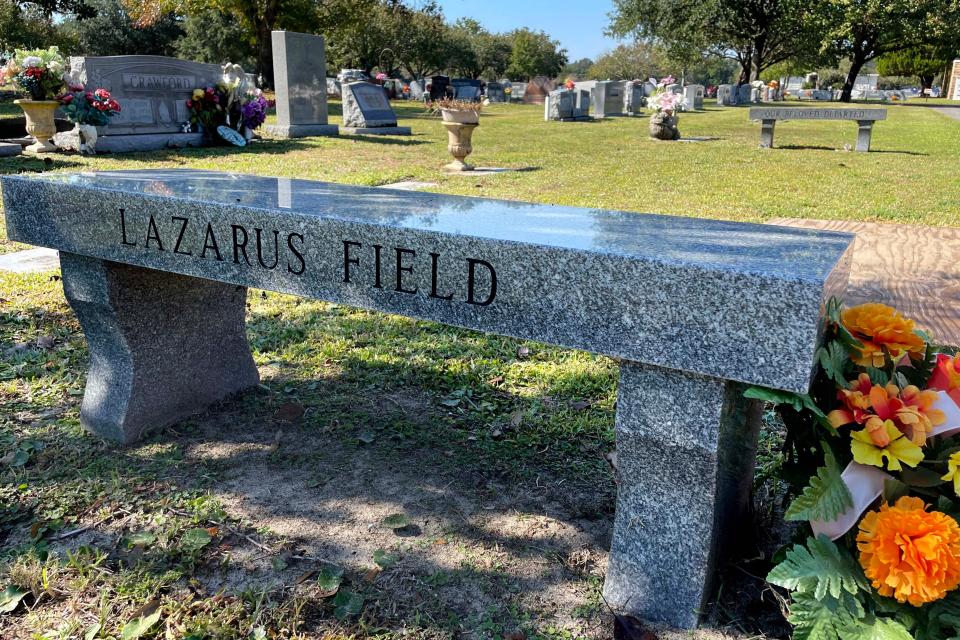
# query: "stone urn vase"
[[664, 126], [40, 125], [460, 125]]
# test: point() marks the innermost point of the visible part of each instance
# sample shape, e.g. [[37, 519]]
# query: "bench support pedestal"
[[766, 134], [162, 346], [864, 131], [685, 455]]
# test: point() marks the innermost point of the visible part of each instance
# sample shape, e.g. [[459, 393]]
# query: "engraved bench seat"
[[865, 118], [156, 265]]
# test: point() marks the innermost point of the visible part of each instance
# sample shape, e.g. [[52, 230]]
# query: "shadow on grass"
[[811, 147], [403, 141], [35, 164]]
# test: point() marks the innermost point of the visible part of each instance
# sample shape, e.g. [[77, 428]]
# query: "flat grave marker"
[[366, 110]]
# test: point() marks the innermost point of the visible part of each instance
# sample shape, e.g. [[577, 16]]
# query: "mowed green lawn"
[[909, 177], [238, 523]]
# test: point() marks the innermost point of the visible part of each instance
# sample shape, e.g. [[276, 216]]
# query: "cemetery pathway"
[[950, 112], [898, 265]]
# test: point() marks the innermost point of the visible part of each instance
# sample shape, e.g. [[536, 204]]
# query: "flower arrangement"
[[88, 107], [253, 109], [663, 101], [37, 73], [207, 107], [878, 436]]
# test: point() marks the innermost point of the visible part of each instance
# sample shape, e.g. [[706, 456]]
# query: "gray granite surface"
[[376, 131], [685, 451], [365, 105], [8, 149], [300, 74], [157, 352], [816, 113], [734, 301]]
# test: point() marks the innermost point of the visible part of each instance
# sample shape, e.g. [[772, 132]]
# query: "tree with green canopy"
[[534, 54]]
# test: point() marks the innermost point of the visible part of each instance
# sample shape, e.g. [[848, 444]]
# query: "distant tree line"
[[913, 37], [390, 36]]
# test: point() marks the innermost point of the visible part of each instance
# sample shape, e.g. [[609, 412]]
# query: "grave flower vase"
[[664, 126], [459, 144], [40, 124]]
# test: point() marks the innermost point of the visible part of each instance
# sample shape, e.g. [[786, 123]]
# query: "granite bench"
[[865, 118], [156, 265]]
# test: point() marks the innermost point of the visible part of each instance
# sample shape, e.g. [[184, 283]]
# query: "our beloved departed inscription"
[[378, 266], [817, 114]]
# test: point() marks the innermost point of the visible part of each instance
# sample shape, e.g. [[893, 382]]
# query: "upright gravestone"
[[674, 88], [300, 77], [726, 97], [607, 99], [693, 94], [561, 105], [743, 93], [582, 97], [648, 89], [537, 90], [153, 91], [633, 98], [366, 110], [417, 89], [495, 92]]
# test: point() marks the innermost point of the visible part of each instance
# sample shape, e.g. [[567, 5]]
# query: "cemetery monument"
[[300, 75]]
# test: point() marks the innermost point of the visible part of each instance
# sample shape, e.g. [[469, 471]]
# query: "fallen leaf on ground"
[[289, 412]]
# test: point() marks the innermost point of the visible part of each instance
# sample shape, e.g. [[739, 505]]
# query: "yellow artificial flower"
[[898, 449], [953, 471], [197, 94]]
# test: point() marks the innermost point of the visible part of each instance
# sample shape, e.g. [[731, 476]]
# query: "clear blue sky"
[[577, 24]]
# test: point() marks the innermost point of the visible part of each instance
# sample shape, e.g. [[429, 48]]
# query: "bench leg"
[[685, 456], [162, 346], [766, 133], [864, 131]]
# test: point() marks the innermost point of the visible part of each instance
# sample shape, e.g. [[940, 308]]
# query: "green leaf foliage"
[[347, 604], [833, 357], [10, 598], [139, 626], [826, 497], [383, 559], [329, 580], [823, 618], [798, 402], [396, 521], [195, 539], [821, 568], [875, 629]]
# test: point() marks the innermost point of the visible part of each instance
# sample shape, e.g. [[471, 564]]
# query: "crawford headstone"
[[366, 110], [300, 77], [153, 93]]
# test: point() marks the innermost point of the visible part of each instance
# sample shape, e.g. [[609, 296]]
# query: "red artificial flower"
[[114, 105], [103, 94], [65, 98], [75, 86], [33, 72], [89, 96], [189, 104]]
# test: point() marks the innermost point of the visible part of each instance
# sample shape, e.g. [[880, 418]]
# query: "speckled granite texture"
[[685, 452], [157, 353], [695, 309], [734, 301]]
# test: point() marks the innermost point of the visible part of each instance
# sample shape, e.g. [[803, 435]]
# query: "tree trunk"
[[926, 82], [265, 54], [856, 64]]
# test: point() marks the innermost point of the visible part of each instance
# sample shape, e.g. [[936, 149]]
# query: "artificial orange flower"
[[909, 553], [910, 409], [946, 376], [881, 327]]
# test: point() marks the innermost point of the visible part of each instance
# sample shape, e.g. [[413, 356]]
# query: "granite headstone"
[[607, 99], [366, 110], [153, 93], [300, 76], [726, 95], [633, 98]]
